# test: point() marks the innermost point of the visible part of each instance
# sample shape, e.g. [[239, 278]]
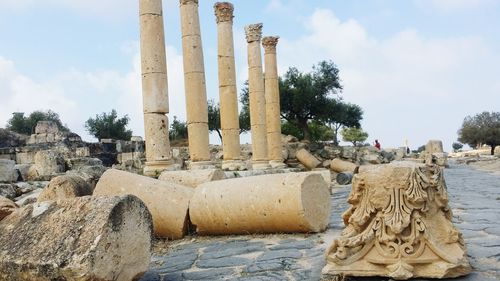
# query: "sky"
[[416, 67]]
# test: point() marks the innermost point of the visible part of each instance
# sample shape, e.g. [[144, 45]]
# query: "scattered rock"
[[7, 206], [65, 187], [8, 171], [82, 239]]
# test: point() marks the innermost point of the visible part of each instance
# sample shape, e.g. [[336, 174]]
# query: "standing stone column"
[[227, 88], [194, 83], [257, 97], [154, 87], [273, 120]]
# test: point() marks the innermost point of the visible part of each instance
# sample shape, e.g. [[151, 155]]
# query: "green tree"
[[457, 146], [244, 116], [26, 125], [483, 128], [178, 130], [354, 135], [307, 96], [214, 118], [342, 114], [109, 126]]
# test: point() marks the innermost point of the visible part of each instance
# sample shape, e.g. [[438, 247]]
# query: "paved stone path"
[[474, 199]]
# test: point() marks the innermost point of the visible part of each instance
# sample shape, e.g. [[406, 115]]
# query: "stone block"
[[8, 172], [339, 166], [48, 163], [83, 239], [434, 146], [46, 127], [8, 190], [192, 178], [292, 202], [65, 187], [25, 157], [398, 226], [82, 151], [7, 206], [168, 202], [307, 159]]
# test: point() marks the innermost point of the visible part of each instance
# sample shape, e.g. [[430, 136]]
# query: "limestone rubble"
[[168, 202], [82, 239]]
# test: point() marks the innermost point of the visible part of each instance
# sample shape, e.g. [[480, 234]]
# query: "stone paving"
[[474, 198]]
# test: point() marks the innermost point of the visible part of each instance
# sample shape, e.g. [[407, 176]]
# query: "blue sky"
[[417, 67]]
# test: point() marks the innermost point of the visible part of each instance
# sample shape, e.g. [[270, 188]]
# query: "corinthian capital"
[[224, 11], [269, 43], [185, 2], [253, 32]]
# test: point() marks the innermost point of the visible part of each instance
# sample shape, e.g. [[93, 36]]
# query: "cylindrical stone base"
[[279, 203], [233, 165], [83, 238], [307, 159], [340, 166], [167, 202], [192, 178]]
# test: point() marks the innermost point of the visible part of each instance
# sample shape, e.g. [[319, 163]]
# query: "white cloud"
[[454, 5], [78, 95], [410, 86], [15, 4]]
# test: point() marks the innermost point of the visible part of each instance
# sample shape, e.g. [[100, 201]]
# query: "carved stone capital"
[[399, 226], [269, 43], [185, 2], [253, 32], [224, 12]]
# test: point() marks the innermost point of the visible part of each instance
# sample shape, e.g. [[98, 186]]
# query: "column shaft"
[[154, 87], [257, 97], [273, 119], [230, 126], [194, 81]]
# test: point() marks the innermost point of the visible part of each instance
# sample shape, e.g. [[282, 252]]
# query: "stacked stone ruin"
[[399, 224], [264, 100]]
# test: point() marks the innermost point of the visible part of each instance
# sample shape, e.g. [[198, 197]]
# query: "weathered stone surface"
[[293, 202], [399, 225], [6, 207], [65, 187], [192, 178], [46, 127], [434, 146], [48, 163], [8, 172], [340, 166], [8, 190], [168, 202], [84, 238], [307, 159]]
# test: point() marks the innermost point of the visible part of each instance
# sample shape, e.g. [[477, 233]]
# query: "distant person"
[[377, 144]]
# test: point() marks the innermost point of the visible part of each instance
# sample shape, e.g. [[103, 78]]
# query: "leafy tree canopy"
[[109, 126], [342, 114], [178, 130], [26, 125], [214, 118], [483, 128], [354, 135], [457, 146], [308, 96]]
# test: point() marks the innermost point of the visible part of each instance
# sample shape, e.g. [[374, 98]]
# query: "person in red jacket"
[[377, 144]]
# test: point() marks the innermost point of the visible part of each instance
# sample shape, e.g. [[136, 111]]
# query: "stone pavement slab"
[[474, 198]]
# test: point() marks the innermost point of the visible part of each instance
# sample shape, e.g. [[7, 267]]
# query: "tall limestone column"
[[257, 97], [154, 88], [273, 120], [194, 82], [227, 88]]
